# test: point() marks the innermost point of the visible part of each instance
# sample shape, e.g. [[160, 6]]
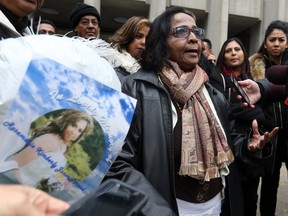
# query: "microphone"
[[278, 74]]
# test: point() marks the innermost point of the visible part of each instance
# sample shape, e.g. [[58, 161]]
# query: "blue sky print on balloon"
[[49, 86]]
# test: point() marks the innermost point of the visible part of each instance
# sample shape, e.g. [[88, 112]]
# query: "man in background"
[[45, 27], [207, 50], [85, 21]]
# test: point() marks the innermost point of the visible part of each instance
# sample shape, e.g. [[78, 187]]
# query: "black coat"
[[276, 113], [11, 27], [148, 150], [254, 164]]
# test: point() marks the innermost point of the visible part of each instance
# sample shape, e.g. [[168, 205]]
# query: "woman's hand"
[[257, 142]]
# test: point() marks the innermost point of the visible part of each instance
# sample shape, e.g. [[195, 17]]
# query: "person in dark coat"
[[14, 20], [233, 63], [179, 149], [273, 51], [85, 21]]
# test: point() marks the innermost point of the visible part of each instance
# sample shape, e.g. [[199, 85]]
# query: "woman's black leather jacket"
[[147, 157]]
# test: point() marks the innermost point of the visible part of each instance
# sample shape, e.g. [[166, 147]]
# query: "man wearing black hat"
[[85, 21]]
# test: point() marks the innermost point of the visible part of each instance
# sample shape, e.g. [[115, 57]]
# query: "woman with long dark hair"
[[233, 63], [273, 51], [51, 143]]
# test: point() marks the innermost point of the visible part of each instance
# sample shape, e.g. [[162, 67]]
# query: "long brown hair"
[[127, 32], [58, 125]]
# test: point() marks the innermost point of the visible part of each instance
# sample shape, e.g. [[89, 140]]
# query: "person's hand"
[[252, 90], [27, 201], [257, 142]]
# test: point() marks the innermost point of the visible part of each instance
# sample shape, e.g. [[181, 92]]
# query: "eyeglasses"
[[184, 32]]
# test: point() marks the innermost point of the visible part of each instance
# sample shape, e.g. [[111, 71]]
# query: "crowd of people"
[[192, 146]]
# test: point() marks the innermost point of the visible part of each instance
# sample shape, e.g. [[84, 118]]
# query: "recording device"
[[240, 91], [278, 74]]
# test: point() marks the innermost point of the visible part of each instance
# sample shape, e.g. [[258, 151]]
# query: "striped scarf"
[[204, 145]]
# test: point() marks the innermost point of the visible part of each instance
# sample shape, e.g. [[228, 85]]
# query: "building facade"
[[221, 19]]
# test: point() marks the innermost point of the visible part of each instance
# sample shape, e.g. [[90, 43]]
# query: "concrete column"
[[97, 5], [272, 10], [282, 9], [156, 8], [94, 3], [217, 25]]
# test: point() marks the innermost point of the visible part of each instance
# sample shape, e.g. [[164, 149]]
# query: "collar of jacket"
[[113, 56], [148, 76], [18, 24], [7, 24], [10, 30], [257, 66], [153, 78]]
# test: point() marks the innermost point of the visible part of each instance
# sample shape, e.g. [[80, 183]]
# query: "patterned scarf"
[[204, 146]]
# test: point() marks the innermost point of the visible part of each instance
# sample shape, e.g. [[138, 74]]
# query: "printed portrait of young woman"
[[68, 145]]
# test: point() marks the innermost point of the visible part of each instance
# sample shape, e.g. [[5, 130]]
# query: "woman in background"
[[273, 52], [233, 63], [130, 40]]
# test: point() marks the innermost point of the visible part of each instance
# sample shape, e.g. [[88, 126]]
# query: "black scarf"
[[18, 23]]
